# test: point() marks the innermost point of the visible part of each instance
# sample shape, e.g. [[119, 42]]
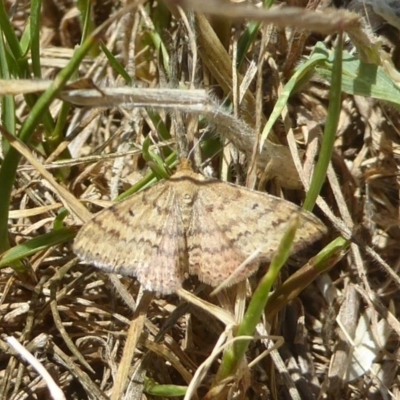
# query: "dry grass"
[[90, 330]]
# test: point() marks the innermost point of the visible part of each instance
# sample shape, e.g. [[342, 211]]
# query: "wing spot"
[[114, 232], [209, 208], [119, 217], [243, 234], [97, 221], [278, 222]]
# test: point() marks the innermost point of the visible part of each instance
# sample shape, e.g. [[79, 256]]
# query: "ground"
[[152, 83]]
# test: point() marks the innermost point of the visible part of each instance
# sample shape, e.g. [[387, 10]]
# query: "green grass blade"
[[304, 70], [328, 139], [245, 41], [8, 111], [117, 65], [33, 246], [36, 6], [321, 263], [363, 79], [11, 160], [149, 179], [12, 41], [249, 36], [233, 356], [155, 389]]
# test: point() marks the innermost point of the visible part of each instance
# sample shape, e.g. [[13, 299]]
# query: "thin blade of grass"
[[36, 6], [304, 70], [35, 245], [329, 136], [233, 356], [155, 389], [149, 179], [321, 263], [117, 65]]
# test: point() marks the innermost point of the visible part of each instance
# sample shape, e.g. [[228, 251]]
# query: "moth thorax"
[[186, 207]]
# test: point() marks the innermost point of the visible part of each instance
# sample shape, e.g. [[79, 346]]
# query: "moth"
[[190, 225]]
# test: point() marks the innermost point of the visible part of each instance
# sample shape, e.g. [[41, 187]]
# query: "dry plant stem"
[[136, 385], [224, 316], [235, 82], [348, 315], [218, 61], [252, 171], [277, 157], [192, 42], [206, 365], [30, 320], [180, 134], [327, 22], [170, 99], [345, 214], [297, 43], [291, 288], [6, 382], [135, 330], [381, 308], [271, 343], [123, 292], [56, 392], [130, 28], [240, 300], [341, 227], [248, 78], [69, 201], [171, 353], [7, 288], [82, 376], [93, 159], [26, 334], [278, 363], [11, 160], [346, 227], [57, 319]]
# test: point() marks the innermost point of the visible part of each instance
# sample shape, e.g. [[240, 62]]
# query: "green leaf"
[[117, 65], [316, 58], [360, 78], [155, 389], [233, 356], [329, 136], [35, 245]]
